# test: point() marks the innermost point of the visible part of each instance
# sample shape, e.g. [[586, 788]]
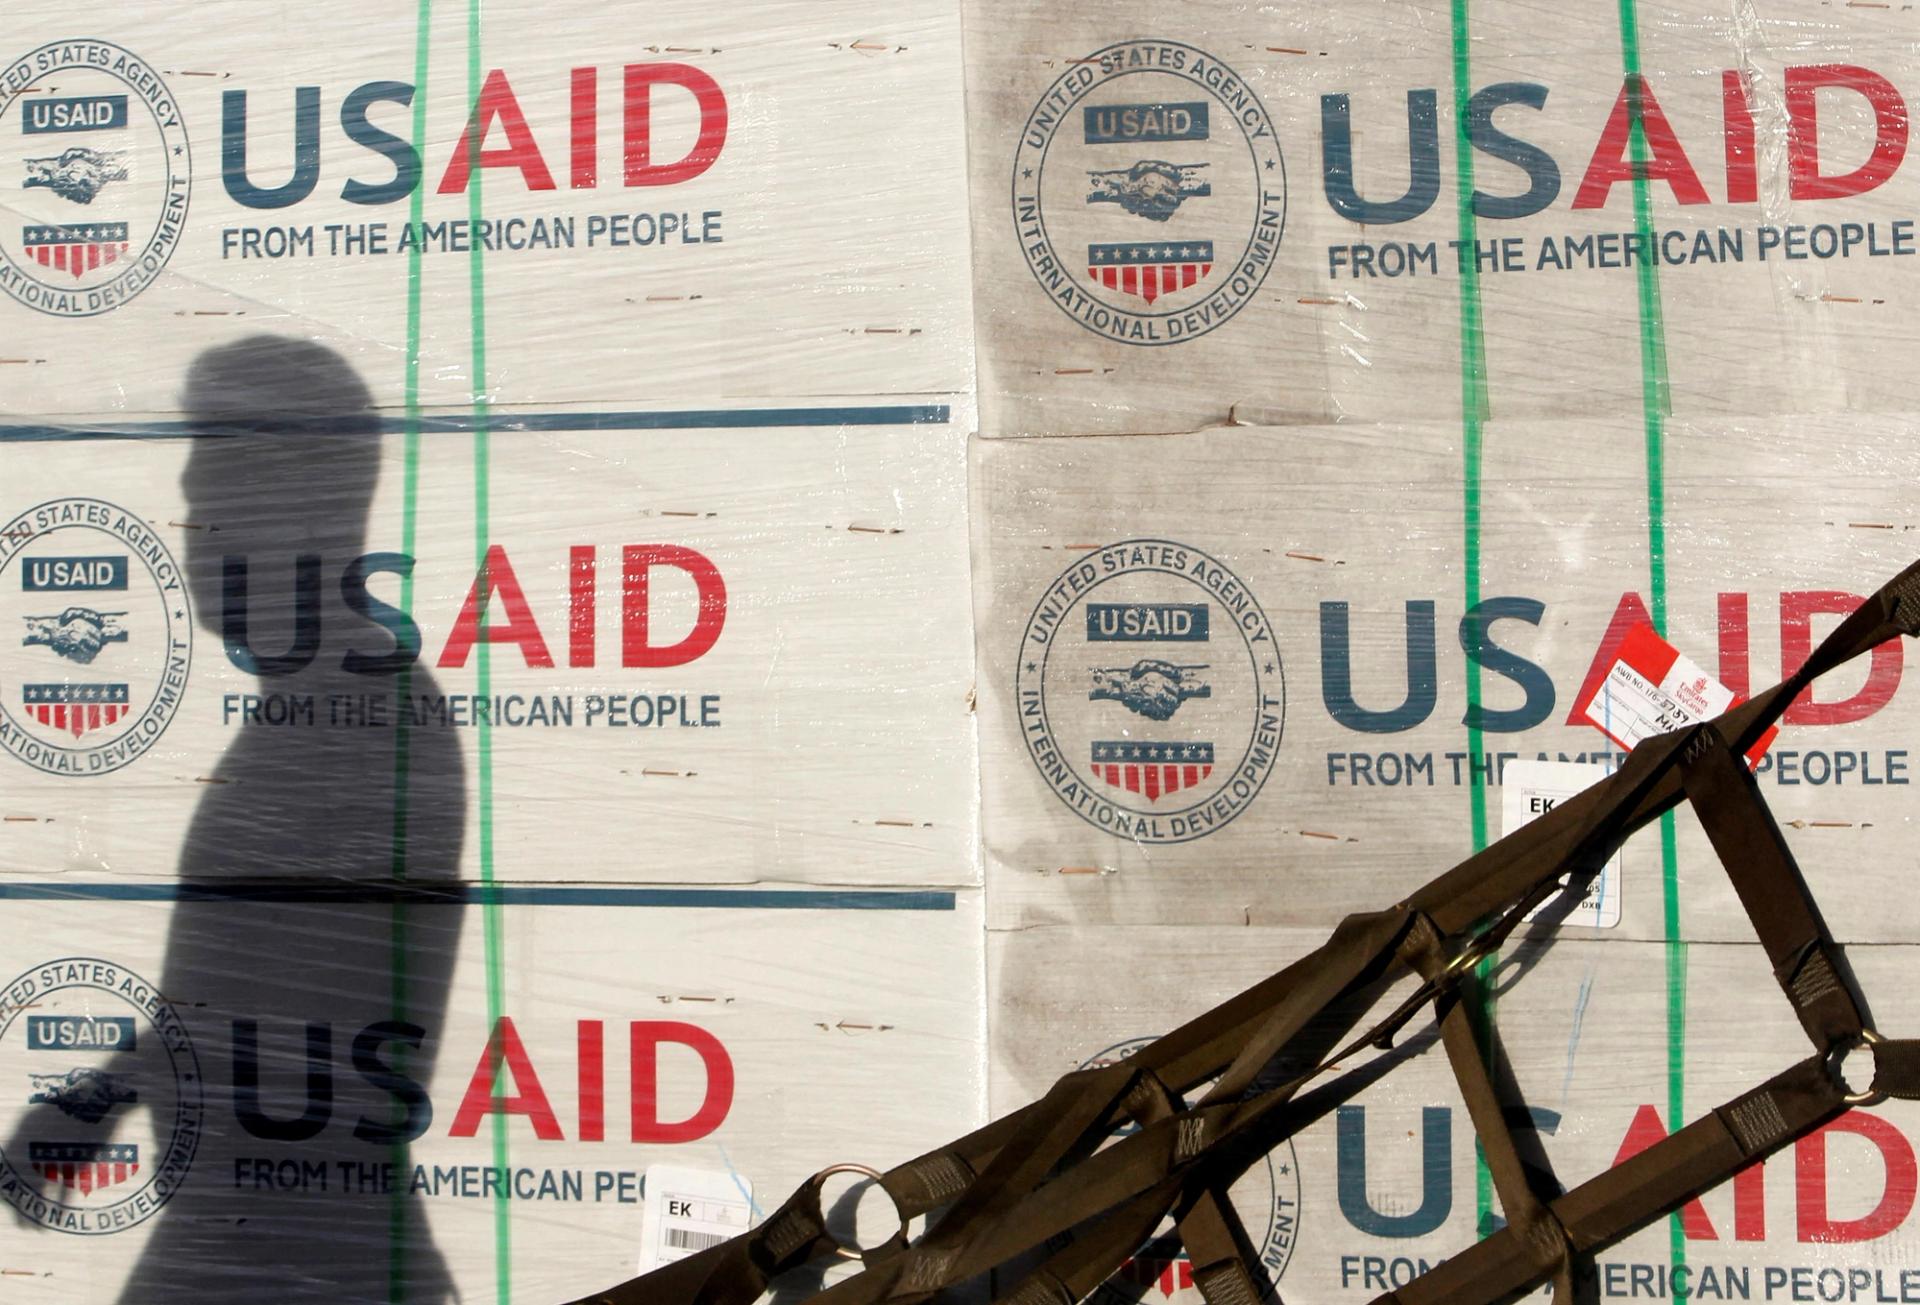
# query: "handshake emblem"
[[77, 634], [1150, 687]]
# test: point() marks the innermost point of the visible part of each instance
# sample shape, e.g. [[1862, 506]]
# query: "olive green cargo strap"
[[1050, 1199]]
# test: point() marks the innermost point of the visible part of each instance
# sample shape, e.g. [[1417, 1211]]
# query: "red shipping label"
[[1651, 689]]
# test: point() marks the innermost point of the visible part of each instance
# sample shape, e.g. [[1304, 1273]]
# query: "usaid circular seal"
[[1149, 193], [100, 1097], [1266, 1197], [94, 160], [1150, 691], [96, 635]]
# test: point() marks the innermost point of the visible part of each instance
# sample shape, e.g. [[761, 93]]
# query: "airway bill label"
[[1651, 689]]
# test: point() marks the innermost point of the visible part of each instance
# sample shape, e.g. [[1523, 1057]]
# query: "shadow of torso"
[[323, 805]]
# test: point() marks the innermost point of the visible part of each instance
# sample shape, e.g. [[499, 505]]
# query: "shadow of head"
[[285, 457]]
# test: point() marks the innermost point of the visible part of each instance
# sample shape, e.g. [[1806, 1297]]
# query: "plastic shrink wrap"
[[506, 602], [486, 652], [1355, 378]]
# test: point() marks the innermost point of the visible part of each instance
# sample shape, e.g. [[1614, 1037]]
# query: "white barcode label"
[[689, 1210], [687, 1239], [1533, 788]]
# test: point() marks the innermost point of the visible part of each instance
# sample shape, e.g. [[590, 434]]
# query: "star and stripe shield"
[[78, 248], [85, 1167], [1152, 770], [77, 709], [1150, 269], [1170, 1272]]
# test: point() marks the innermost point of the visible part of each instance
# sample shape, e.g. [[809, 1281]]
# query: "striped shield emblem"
[[1150, 269], [86, 1167], [1152, 769], [76, 709], [76, 249]]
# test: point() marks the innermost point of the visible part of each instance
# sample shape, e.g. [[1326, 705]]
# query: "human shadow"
[[303, 952]]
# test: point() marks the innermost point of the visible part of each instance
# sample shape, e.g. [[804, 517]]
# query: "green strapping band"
[[1473, 414], [1655, 404], [491, 911], [494, 925], [397, 1209]]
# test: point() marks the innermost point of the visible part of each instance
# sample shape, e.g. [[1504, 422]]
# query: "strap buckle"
[[1869, 1039]]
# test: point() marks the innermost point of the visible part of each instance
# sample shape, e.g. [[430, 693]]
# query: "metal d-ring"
[[819, 1181], [1474, 953], [1872, 1096]]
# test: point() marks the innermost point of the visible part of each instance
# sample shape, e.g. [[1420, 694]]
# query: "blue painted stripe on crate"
[[465, 894], [917, 414]]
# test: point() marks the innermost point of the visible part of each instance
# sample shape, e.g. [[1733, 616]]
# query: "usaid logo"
[[1149, 193], [1266, 1197], [95, 166], [100, 1097], [95, 637], [1149, 690]]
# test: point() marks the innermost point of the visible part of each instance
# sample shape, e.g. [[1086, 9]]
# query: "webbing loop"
[[1055, 1175]]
